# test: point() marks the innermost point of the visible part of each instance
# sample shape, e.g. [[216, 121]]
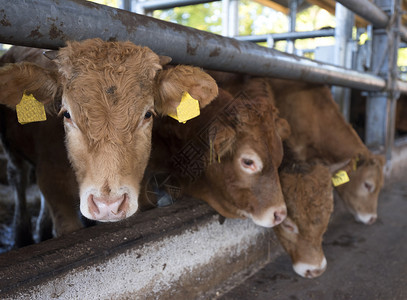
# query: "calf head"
[[361, 193], [110, 92], [247, 151], [308, 195]]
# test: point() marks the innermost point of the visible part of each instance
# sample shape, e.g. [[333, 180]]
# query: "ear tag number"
[[340, 178], [187, 109], [30, 110]]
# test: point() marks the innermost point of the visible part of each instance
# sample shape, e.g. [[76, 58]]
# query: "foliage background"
[[254, 19]]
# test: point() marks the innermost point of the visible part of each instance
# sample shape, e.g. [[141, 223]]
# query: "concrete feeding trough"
[[184, 249]]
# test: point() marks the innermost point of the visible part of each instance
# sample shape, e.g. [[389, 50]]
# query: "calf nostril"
[[279, 216], [372, 220], [93, 208], [124, 204], [314, 273]]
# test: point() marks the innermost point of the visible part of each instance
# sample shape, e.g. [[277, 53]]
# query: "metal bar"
[[376, 114], [230, 17], [290, 47], [376, 103], [393, 75], [372, 13], [126, 5], [342, 54], [165, 4], [233, 17], [367, 10], [225, 17], [287, 35], [381, 107], [49, 23]]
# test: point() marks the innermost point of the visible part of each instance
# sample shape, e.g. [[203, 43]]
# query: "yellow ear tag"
[[340, 178], [187, 109], [30, 110]]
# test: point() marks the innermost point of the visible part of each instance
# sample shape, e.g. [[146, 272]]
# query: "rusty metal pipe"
[[49, 23], [372, 13]]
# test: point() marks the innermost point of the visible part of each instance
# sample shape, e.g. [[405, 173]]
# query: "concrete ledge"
[[182, 250]]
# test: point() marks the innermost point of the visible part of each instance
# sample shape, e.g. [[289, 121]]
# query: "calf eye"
[[250, 163], [66, 114], [247, 162], [148, 115], [369, 186]]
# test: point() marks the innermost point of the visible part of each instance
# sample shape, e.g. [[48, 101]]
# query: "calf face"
[[247, 152], [361, 193], [308, 195], [110, 92], [228, 157]]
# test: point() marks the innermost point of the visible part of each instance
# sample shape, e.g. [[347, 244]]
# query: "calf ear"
[[379, 160], [173, 82], [223, 138], [283, 128], [333, 168], [31, 78]]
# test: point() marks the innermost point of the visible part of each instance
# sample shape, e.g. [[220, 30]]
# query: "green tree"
[[207, 16], [314, 18], [255, 18]]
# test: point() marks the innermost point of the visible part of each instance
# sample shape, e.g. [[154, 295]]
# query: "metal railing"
[[49, 23]]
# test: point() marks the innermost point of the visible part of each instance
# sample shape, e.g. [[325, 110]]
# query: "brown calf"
[[307, 191], [109, 91], [228, 156], [319, 132]]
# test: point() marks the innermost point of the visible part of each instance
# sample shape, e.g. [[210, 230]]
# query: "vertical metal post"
[[234, 18], [290, 47], [343, 53], [381, 107], [225, 17], [393, 75], [126, 5], [270, 41], [230, 18]]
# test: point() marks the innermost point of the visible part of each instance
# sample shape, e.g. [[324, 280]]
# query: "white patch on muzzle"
[[108, 211], [310, 271], [366, 218]]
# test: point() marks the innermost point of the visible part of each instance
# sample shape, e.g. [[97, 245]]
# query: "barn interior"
[[186, 250]]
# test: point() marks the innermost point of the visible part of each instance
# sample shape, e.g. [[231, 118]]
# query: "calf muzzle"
[[309, 270], [270, 217], [107, 208]]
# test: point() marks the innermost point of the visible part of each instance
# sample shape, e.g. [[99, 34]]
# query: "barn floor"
[[364, 262]]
